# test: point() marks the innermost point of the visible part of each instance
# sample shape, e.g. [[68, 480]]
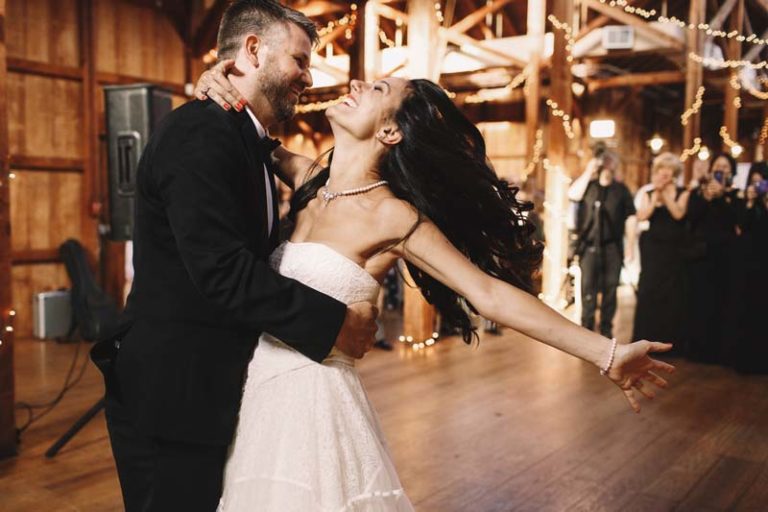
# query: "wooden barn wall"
[[60, 55]]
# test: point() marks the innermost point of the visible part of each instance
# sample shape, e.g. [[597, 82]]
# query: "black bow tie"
[[265, 146]]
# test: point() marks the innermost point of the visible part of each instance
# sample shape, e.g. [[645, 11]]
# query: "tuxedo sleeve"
[[200, 181]]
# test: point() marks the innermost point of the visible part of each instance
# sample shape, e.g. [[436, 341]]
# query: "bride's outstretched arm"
[[501, 302]]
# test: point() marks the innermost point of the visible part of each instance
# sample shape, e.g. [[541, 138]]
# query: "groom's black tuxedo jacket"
[[203, 290]]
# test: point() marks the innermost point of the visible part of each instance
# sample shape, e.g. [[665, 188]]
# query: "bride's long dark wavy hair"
[[441, 168]]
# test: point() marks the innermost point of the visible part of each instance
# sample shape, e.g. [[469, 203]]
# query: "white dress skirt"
[[308, 439]]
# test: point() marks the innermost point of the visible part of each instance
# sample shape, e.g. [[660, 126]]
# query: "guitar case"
[[95, 313]]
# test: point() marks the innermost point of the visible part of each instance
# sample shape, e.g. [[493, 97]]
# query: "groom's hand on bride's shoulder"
[[358, 333]]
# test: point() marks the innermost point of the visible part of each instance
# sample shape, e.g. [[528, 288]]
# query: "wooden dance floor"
[[512, 425]]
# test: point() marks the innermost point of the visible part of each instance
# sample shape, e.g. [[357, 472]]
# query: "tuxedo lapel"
[[274, 237], [250, 139]]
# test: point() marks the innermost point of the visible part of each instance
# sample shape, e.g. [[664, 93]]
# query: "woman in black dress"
[[750, 341], [712, 219], [660, 298]]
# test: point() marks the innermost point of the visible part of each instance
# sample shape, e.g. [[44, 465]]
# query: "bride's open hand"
[[215, 85], [634, 370]]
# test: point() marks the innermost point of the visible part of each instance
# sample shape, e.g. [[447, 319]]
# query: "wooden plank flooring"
[[509, 426]]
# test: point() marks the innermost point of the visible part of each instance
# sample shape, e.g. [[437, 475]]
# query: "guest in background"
[[604, 205], [750, 335], [660, 296], [712, 220]]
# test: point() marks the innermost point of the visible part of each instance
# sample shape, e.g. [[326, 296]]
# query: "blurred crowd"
[[703, 256]]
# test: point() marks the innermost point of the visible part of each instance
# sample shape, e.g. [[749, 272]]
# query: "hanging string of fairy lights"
[[629, 8], [568, 30], [727, 140], [764, 132], [693, 150], [349, 20], [558, 112], [735, 84], [672, 20], [538, 147], [723, 64], [738, 85], [318, 106], [693, 109]]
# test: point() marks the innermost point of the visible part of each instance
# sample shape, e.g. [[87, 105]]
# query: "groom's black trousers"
[[159, 475]]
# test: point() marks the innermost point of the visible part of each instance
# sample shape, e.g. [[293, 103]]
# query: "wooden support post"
[[536, 20], [694, 77], [7, 418], [730, 110], [418, 315], [357, 51], [422, 51], [557, 175], [91, 173], [370, 41]]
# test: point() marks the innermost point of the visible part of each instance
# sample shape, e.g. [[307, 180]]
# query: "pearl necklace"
[[329, 196]]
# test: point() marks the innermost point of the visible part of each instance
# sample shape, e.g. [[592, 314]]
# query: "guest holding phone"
[[712, 221], [749, 347]]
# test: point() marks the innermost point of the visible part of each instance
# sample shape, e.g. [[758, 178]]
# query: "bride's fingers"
[[223, 88], [655, 346], [630, 396], [652, 377], [661, 365], [647, 393]]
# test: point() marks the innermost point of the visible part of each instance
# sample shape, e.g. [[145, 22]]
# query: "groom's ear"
[[251, 46]]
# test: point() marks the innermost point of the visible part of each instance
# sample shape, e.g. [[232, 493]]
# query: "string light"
[[557, 112], [387, 41], [736, 83], [629, 8], [566, 28], [672, 20], [687, 153], [419, 345], [348, 20], [439, 13], [727, 140], [707, 29], [764, 132], [538, 147], [694, 109], [721, 64], [318, 106]]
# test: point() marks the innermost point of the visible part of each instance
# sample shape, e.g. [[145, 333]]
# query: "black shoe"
[[384, 345]]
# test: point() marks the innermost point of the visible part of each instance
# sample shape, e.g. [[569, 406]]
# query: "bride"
[[408, 178]]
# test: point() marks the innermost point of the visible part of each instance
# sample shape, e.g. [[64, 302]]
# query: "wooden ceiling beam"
[[636, 79], [719, 18], [488, 54], [205, 37], [476, 17], [754, 52], [635, 22], [603, 20], [332, 36], [315, 8]]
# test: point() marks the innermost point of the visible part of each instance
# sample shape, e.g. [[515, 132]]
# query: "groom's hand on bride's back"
[[358, 333]]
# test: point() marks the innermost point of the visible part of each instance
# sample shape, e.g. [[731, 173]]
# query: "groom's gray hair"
[[245, 17]]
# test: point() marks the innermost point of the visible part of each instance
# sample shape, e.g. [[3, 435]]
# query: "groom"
[[206, 222]]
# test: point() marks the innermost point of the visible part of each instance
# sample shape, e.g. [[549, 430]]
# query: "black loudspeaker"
[[133, 112]]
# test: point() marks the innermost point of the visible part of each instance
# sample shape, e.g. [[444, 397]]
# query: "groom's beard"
[[280, 96]]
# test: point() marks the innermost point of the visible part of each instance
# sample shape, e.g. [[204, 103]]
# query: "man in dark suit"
[[206, 222]]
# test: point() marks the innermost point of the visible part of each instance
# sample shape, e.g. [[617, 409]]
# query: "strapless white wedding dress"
[[308, 439]]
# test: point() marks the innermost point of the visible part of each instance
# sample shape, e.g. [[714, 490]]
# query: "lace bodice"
[[326, 270]]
